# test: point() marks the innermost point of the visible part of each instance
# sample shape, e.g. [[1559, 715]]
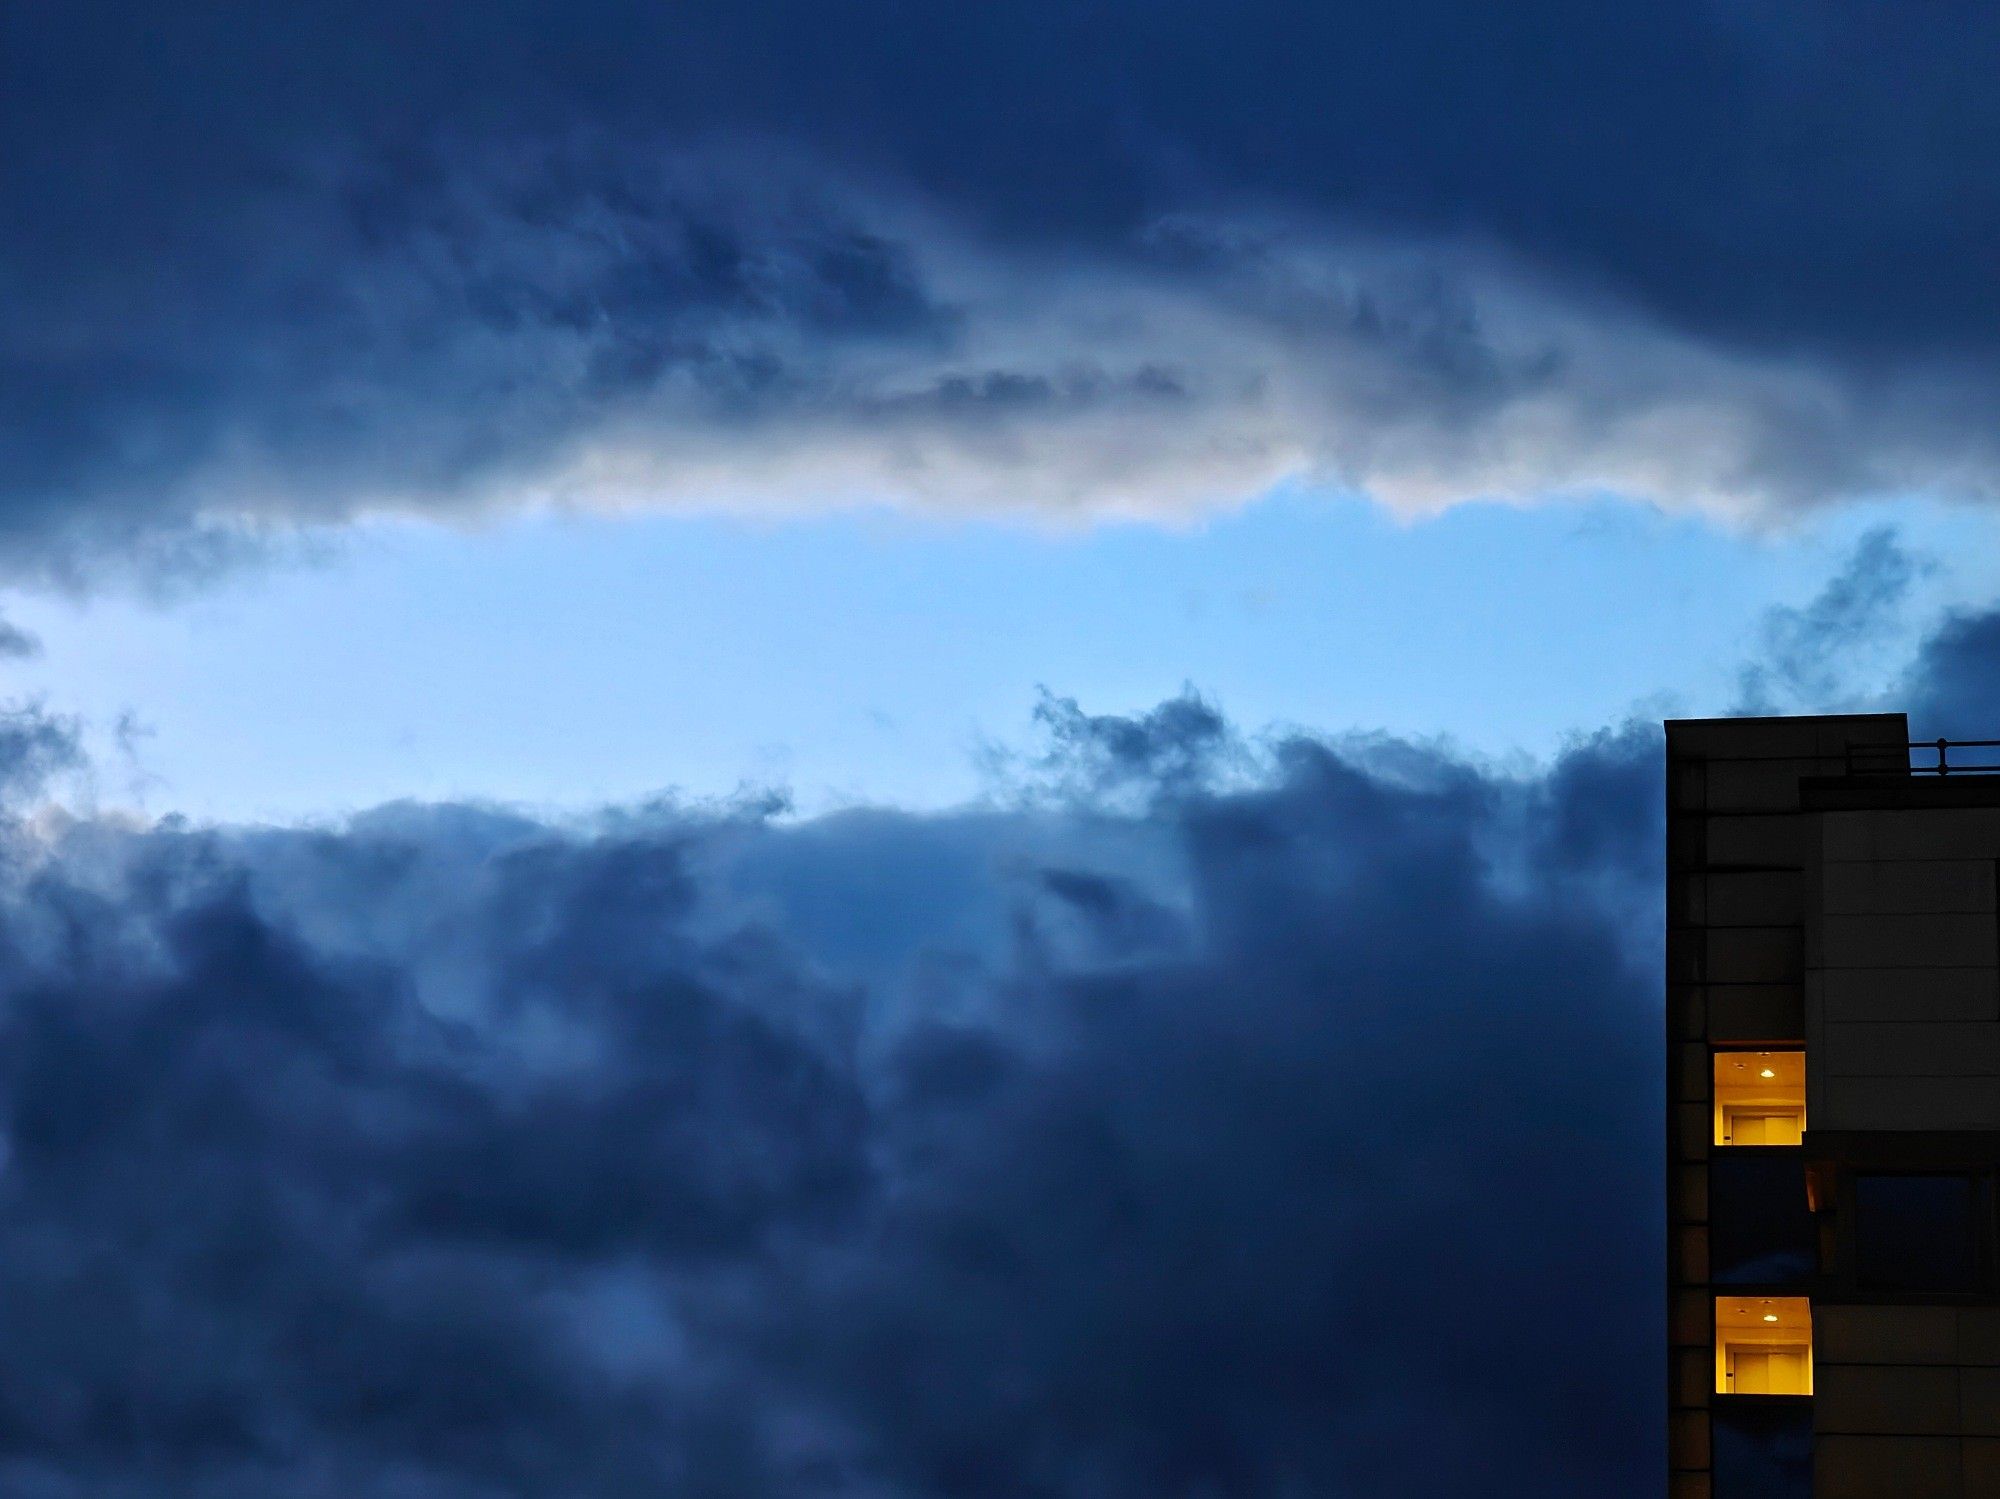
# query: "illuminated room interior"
[[1760, 1097], [1763, 1345]]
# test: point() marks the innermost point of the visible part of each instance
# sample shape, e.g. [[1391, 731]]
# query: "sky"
[[567, 662], [880, 752]]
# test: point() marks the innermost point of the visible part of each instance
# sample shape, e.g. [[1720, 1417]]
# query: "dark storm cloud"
[[1204, 1143], [1803, 172], [322, 259], [1955, 682]]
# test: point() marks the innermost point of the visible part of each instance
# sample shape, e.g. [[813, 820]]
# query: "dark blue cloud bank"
[[1201, 1121], [326, 259]]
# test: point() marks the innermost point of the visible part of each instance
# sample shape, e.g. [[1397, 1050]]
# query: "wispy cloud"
[[1809, 656]]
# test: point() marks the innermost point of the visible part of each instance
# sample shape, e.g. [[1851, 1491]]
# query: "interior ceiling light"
[[1767, 1072], [1770, 1316]]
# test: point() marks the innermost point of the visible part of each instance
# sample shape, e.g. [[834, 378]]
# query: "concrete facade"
[[1826, 905]]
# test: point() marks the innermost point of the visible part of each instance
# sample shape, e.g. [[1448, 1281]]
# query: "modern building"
[[1833, 1111]]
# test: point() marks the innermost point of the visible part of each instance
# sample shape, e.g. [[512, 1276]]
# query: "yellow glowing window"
[[1760, 1097], [1763, 1345]]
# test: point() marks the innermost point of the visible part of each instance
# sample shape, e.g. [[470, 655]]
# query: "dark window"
[[1921, 1233], [1763, 1449], [1760, 1226]]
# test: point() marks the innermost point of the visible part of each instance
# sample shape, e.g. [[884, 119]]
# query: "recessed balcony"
[[1763, 1345], [1760, 1097]]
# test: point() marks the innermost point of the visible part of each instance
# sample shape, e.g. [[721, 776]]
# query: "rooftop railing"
[[1926, 757]]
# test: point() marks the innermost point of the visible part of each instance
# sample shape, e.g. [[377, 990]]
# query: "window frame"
[[1985, 1227]]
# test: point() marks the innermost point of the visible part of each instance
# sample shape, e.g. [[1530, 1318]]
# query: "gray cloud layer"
[[1035, 260]]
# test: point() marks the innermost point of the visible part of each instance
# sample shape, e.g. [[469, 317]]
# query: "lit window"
[[1760, 1097], [1763, 1345]]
